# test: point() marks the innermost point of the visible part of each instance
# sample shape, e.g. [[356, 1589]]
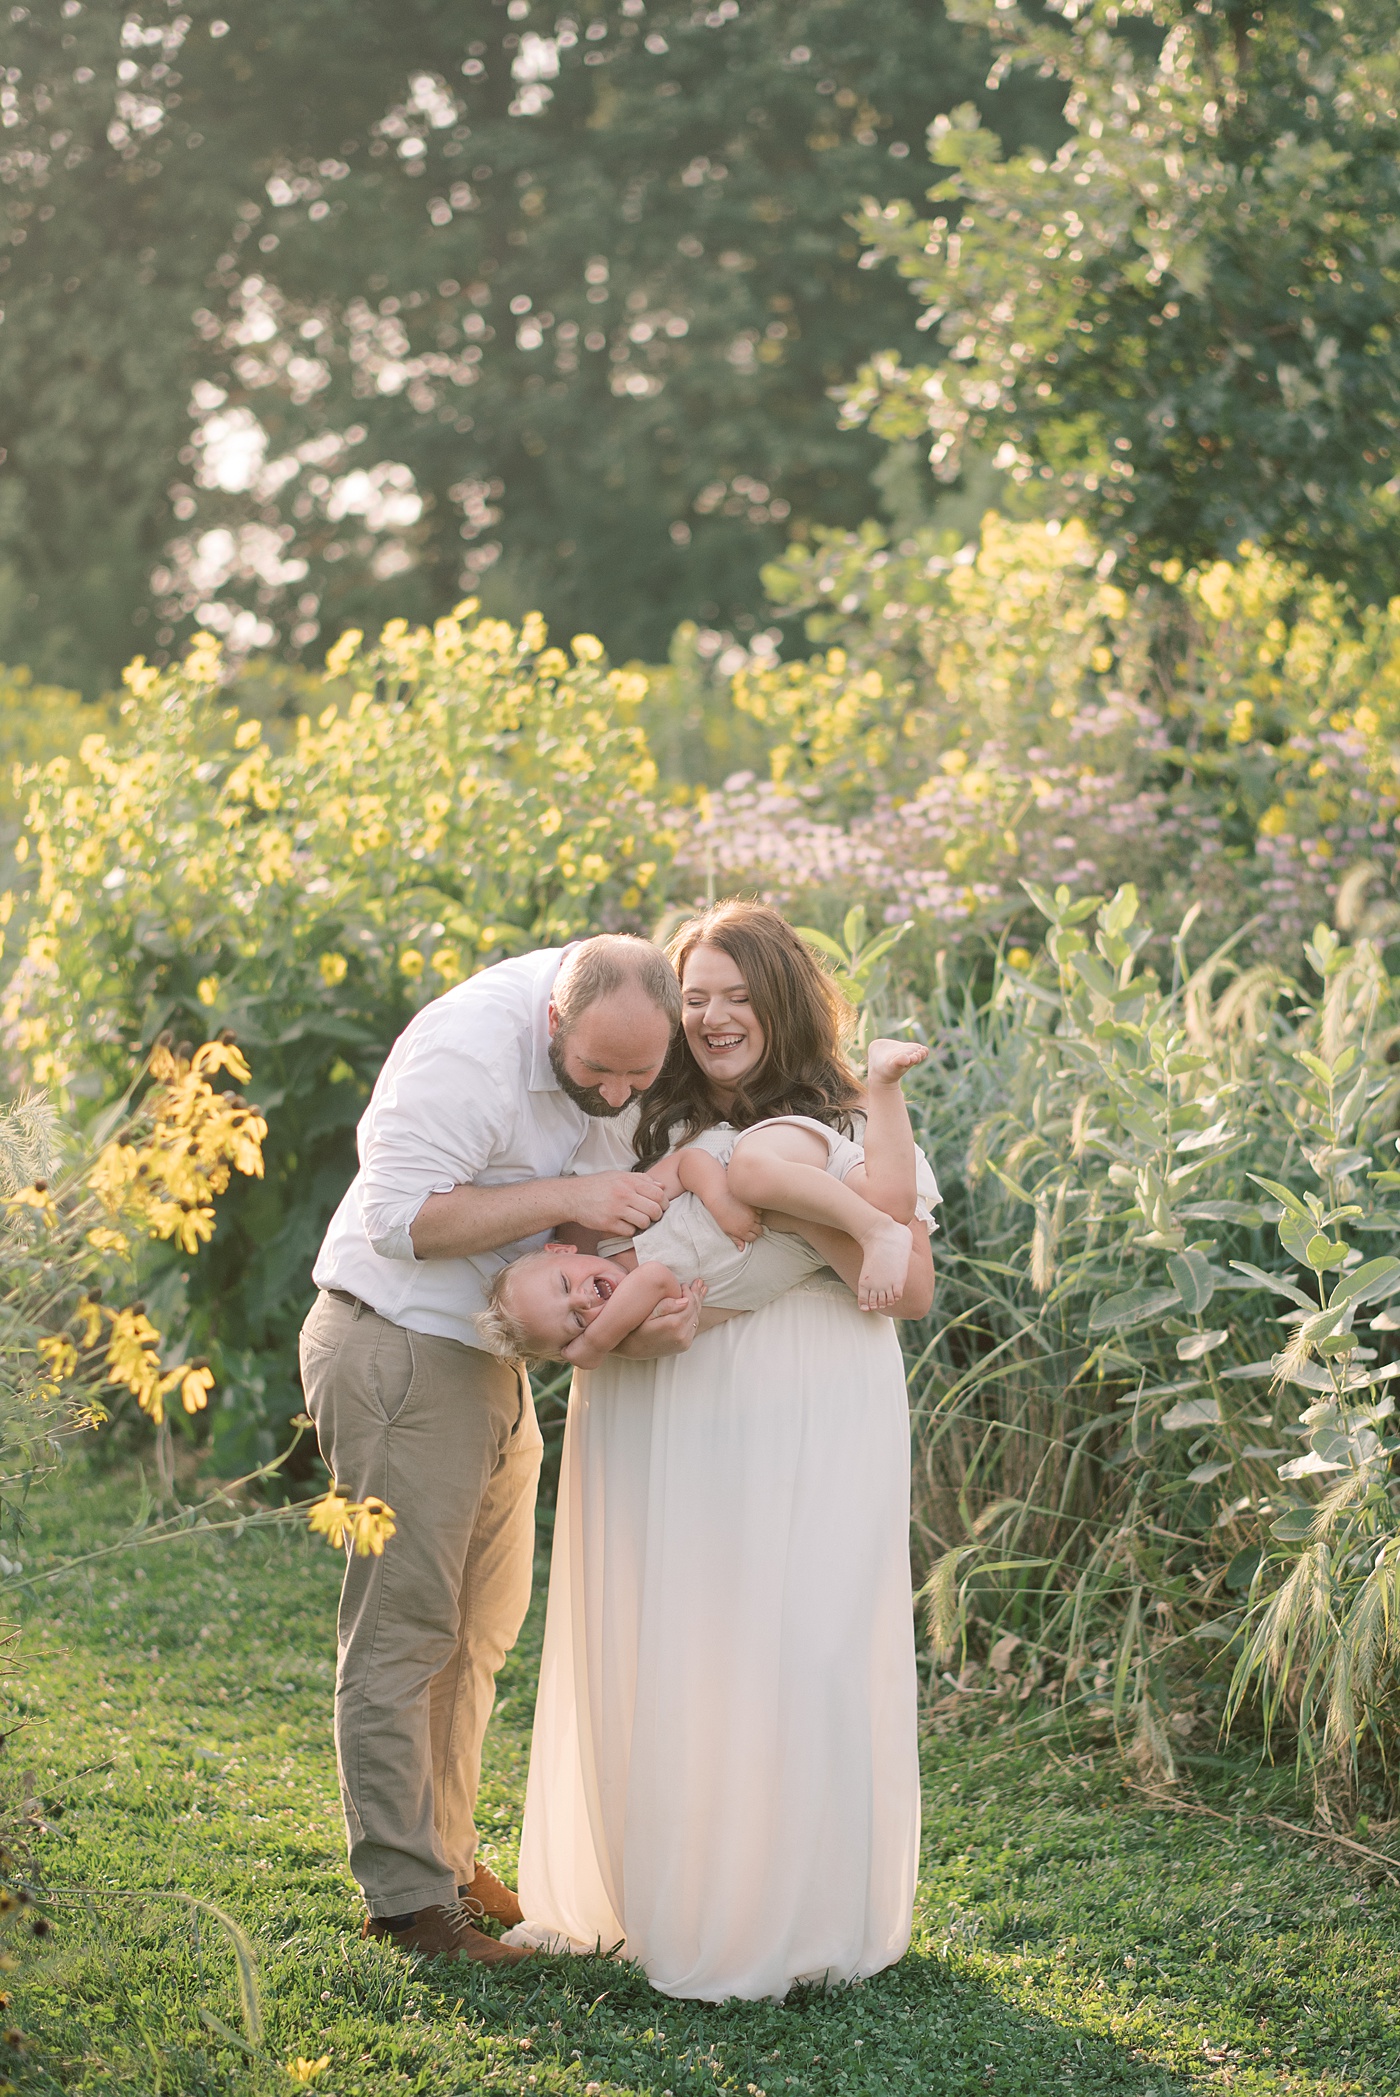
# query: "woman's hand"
[[670, 1329]]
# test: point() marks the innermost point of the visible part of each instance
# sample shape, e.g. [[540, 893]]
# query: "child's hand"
[[736, 1219]]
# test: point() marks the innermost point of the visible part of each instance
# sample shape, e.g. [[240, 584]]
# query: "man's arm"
[[474, 1219]]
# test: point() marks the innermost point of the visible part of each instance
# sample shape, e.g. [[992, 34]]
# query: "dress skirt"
[[724, 1777]]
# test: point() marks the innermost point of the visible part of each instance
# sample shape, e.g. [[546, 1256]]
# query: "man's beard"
[[586, 1096]]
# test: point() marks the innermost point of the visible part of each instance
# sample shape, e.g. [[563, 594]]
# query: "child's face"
[[556, 1295]]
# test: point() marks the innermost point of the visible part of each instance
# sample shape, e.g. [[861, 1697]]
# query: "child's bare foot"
[[887, 1061], [884, 1268]]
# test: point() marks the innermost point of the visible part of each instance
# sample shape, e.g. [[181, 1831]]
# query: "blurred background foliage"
[[327, 313]]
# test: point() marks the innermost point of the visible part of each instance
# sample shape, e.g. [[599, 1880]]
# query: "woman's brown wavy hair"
[[806, 1025]]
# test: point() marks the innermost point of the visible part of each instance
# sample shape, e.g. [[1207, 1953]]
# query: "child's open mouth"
[[603, 1286]]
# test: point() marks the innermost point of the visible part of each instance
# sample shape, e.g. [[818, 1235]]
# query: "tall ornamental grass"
[[1152, 1411]]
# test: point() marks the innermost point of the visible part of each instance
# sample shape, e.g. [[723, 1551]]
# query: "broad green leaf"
[[1324, 1253], [1320, 1070], [1281, 1193], [1310, 1466], [853, 928], [1192, 1412], [1245, 1212], [1044, 903], [1295, 1527], [1277, 1283], [1092, 971], [1204, 1473], [1242, 1567], [1133, 1307], [1247, 1370], [821, 940], [1202, 1139], [1196, 1344], [1370, 1283], [1295, 1236], [1191, 1272]]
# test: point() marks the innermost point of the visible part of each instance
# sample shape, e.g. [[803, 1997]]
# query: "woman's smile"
[[721, 1027]]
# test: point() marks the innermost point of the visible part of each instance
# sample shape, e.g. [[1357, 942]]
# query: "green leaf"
[[1281, 1193], [1192, 1412], [1370, 1283], [1277, 1283], [1044, 903], [1324, 1253], [1320, 1070], [853, 928], [1191, 1272], [1091, 970], [1196, 1344], [822, 941], [1240, 1572], [1295, 1527], [1204, 1473], [1132, 1307]]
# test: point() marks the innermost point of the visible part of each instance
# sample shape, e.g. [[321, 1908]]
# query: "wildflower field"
[[991, 564]]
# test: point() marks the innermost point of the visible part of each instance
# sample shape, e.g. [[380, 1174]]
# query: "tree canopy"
[[323, 312], [1181, 325]]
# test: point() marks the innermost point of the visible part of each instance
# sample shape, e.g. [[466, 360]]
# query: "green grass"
[[1069, 1938]]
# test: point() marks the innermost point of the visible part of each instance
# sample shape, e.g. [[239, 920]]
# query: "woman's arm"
[[844, 1256]]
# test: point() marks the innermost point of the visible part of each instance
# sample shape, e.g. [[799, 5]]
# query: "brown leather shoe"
[[488, 1896], [445, 1933]]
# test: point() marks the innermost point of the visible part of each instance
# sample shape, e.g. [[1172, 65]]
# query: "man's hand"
[[616, 1203], [669, 1330]]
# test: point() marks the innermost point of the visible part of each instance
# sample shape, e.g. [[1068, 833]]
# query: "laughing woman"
[[724, 1774]]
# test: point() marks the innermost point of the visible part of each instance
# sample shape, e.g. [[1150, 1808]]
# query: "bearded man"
[[499, 1115]]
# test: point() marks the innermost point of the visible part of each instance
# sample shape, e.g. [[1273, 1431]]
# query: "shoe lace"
[[464, 1912]]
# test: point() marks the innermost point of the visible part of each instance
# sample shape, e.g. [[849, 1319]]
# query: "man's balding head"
[[615, 1007]]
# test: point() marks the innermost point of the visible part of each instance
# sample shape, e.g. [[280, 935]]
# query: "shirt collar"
[[542, 1078]]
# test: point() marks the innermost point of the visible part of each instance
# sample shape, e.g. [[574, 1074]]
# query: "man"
[[490, 1096]]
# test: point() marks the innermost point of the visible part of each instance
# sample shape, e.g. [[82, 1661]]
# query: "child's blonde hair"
[[502, 1333]]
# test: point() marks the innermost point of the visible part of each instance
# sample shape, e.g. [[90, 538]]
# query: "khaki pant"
[[446, 1434]]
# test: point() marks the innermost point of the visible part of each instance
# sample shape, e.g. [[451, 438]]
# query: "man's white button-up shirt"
[[467, 1097]]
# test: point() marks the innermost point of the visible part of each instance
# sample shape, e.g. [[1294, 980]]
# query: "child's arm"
[[630, 1305], [704, 1177]]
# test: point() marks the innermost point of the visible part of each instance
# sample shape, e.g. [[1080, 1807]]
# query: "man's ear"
[[553, 1019]]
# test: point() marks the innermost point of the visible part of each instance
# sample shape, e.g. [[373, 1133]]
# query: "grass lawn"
[[1068, 1937]]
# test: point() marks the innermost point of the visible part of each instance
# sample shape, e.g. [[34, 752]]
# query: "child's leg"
[[785, 1168], [887, 1179]]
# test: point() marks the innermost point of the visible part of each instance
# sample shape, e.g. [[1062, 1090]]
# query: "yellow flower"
[[339, 658], [246, 734], [366, 1524], [553, 663], [59, 1356], [1241, 729], [195, 1385], [333, 968], [303, 2071], [207, 990], [1367, 719], [1101, 660], [411, 963], [140, 679], [952, 762], [105, 1240], [587, 647], [1273, 821], [447, 963], [1019, 957], [533, 633]]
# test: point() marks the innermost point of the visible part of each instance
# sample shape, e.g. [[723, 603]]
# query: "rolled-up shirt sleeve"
[[435, 1126]]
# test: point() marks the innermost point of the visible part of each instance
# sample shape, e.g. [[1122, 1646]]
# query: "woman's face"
[[721, 1027]]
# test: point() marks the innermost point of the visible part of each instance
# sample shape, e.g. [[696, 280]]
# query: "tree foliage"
[[362, 305], [1181, 325]]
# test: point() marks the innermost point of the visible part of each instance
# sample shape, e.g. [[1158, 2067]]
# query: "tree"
[[1183, 324], [327, 311]]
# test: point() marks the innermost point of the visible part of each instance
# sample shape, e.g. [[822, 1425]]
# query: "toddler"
[[730, 1188]]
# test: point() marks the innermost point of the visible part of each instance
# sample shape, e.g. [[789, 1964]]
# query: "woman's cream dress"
[[724, 1775]]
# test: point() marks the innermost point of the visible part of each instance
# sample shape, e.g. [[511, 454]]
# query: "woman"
[[724, 1773]]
